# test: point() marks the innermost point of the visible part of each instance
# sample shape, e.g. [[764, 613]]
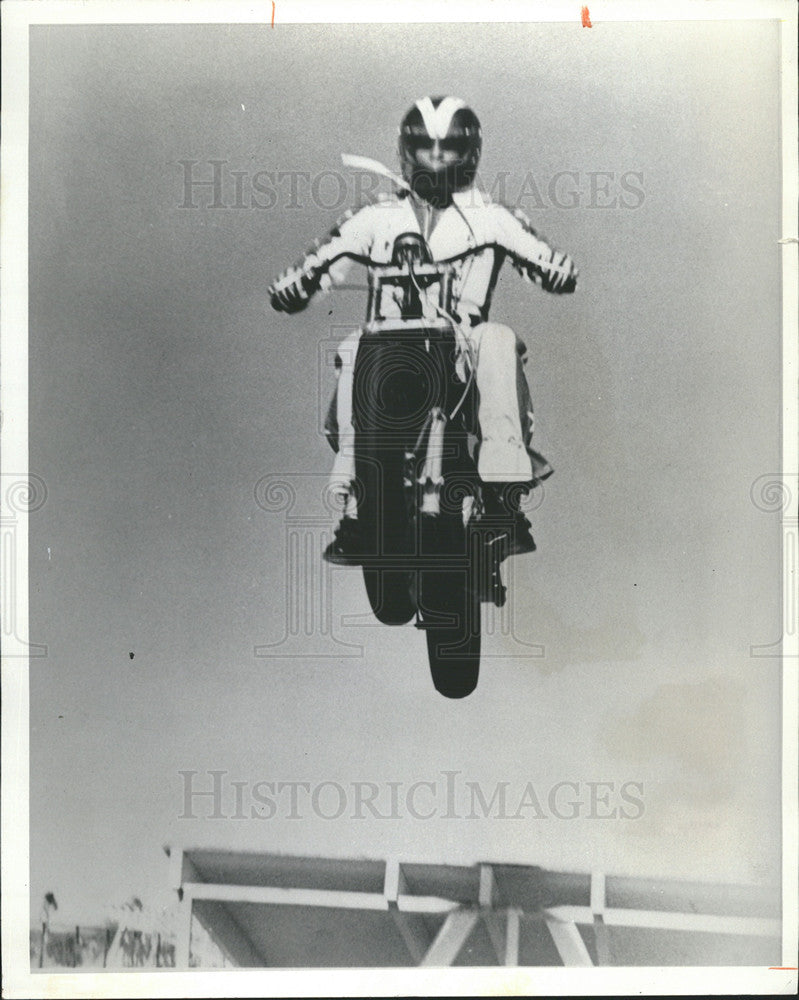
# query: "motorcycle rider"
[[440, 143]]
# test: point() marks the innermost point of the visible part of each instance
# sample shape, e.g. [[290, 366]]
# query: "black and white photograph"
[[399, 498]]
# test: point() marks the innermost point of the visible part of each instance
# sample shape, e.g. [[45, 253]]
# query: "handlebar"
[[435, 266], [300, 285], [384, 264]]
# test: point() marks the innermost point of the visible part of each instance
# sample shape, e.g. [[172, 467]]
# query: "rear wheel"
[[449, 610], [454, 653]]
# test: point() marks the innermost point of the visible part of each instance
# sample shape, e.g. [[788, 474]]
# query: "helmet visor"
[[451, 150]]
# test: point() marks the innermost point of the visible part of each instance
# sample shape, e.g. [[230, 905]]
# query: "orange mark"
[[273, 13], [782, 968], [585, 15]]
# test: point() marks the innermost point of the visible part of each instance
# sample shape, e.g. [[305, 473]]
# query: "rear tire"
[[449, 610], [455, 657]]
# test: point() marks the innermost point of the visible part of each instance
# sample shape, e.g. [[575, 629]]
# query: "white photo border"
[[18, 16]]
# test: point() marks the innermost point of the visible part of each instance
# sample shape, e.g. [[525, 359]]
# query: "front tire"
[[389, 595], [383, 516]]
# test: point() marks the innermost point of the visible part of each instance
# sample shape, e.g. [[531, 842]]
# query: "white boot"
[[342, 474], [503, 457]]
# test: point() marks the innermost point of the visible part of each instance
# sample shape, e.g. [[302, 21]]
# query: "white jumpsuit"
[[505, 414]]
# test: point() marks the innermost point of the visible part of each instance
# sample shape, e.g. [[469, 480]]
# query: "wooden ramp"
[[278, 911]]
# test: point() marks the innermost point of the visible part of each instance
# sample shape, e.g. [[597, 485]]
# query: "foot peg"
[[346, 549]]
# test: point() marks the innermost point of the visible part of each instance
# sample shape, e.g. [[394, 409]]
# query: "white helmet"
[[449, 123]]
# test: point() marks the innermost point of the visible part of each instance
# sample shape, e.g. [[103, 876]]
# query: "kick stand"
[[488, 549]]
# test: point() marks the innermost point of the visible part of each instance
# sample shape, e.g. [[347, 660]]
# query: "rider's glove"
[[292, 291], [558, 274]]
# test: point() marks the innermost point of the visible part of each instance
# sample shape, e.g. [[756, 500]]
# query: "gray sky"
[[162, 389]]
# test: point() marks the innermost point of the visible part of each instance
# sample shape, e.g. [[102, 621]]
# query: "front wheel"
[[383, 516], [389, 593]]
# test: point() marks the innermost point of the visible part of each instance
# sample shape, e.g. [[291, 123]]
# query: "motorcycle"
[[429, 551]]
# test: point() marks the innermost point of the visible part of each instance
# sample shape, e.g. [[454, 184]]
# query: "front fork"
[[430, 478]]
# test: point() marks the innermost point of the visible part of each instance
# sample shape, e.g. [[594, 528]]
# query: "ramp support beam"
[[451, 938]]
